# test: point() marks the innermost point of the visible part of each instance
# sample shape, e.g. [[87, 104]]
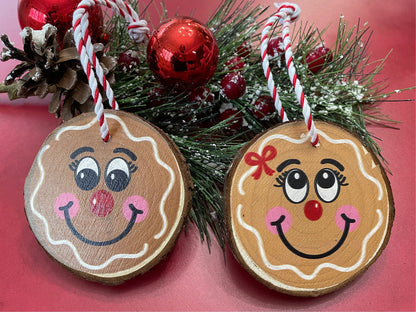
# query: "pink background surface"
[[191, 278]]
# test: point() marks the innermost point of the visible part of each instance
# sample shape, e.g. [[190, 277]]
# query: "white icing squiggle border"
[[322, 265], [68, 243]]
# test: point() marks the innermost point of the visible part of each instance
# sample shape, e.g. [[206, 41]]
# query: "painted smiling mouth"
[[78, 235], [278, 224]]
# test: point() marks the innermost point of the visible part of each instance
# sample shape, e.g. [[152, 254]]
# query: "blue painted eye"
[[87, 173], [117, 174]]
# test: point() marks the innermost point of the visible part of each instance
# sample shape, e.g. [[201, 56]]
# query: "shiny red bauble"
[[317, 58], [36, 13], [233, 86], [182, 53]]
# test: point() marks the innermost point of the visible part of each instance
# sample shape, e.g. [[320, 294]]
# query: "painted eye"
[[117, 174], [87, 173], [327, 185], [296, 186]]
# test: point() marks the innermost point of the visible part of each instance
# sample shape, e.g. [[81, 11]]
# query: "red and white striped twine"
[[286, 13], [138, 31]]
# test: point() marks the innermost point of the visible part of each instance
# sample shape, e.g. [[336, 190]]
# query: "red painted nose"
[[101, 203], [313, 210]]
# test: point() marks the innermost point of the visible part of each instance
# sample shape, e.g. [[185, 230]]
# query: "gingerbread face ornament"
[[107, 210], [307, 220], [107, 207], [309, 207]]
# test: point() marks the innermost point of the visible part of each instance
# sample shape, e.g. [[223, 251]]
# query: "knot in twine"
[[289, 9], [138, 31], [254, 159]]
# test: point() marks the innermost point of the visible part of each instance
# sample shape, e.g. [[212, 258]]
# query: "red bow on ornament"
[[254, 159]]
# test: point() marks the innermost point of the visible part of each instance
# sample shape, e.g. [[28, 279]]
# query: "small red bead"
[[313, 210]]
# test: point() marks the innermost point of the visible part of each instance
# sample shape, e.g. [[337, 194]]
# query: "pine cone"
[[45, 68]]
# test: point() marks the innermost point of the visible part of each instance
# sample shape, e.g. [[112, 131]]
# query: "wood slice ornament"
[[109, 209], [305, 219]]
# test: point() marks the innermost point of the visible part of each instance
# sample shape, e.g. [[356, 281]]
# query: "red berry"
[[263, 107], [202, 95], [233, 86], [235, 63], [155, 97], [244, 49], [105, 38], [317, 58], [128, 61], [234, 119], [275, 46]]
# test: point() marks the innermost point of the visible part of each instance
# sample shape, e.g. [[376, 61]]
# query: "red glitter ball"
[[233, 86]]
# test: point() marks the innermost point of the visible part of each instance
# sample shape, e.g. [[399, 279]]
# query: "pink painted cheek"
[[63, 200], [139, 203], [352, 213], [275, 214]]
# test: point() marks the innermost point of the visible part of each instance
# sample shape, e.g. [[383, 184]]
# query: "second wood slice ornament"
[[306, 219], [107, 208]]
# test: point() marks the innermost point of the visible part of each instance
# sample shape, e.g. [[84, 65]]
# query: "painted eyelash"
[[74, 165], [341, 178], [132, 167], [281, 179]]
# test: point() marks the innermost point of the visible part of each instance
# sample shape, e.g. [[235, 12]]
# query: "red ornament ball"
[[275, 46], [263, 107], [182, 53], [233, 86], [234, 119], [37, 13], [317, 58], [235, 63]]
